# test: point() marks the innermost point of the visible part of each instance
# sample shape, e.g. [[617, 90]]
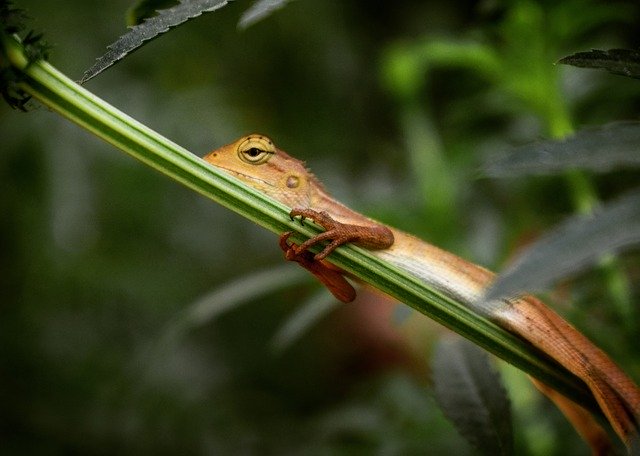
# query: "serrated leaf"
[[150, 29], [12, 20], [147, 8], [469, 391], [260, 10], [599, 149], [577, 243], [625, 62]]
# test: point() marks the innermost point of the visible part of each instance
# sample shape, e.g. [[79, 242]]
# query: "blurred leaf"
[[260, 10], [405, 67], [470, 393], [13, 22], [147, 8], [571, 247], [574, 19], [12, 19], [600, 149], [150, 29], [241, 291], [223, 299], [625, 62], [307, 315]]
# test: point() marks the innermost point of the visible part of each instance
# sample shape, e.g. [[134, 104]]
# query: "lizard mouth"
[[243, 176]]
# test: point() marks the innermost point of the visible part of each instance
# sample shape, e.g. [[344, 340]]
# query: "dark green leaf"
[[470, 393], [229, 297], [150, 29], [572, 20], [579, 242], [260, 10], [625, 62], [12, 22], [241, 291], [12, 19], [598, 149]]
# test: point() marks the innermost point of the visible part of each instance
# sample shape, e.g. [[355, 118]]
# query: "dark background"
[[100, 255]]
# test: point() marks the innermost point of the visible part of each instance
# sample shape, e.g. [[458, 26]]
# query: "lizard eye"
[[256, 150]]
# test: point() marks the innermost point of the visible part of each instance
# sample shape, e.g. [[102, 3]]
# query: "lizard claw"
[[337, 233], [330, 276], [300, 218], [283, 241], [292, 251], [320, 217]]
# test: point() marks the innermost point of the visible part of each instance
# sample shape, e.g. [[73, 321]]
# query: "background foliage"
[[99, 256]]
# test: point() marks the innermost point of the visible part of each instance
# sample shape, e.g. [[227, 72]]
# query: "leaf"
[[13, 23], [241, 291], [223, 299], [147, 8], [572, 20], [469, 391], [310, 313], [260, 10], [625, 62], [577, 243], [149, 29], [12, 20], [598, 149]]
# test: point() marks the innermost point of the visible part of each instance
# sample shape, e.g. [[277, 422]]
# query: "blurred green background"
[[394, 105]]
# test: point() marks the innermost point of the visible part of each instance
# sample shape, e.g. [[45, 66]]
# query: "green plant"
[[50, 86]]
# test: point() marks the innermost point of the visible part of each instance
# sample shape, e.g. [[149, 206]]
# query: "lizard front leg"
[[371, 236]]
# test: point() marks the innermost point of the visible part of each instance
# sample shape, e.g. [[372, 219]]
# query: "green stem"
[[90, 112]]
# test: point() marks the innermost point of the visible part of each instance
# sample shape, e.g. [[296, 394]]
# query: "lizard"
[[255, 160]]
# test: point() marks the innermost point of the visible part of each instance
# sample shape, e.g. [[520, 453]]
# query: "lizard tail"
[[583, 422], [616, 394]]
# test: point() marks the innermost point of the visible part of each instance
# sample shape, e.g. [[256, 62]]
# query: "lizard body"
[[256, 161]]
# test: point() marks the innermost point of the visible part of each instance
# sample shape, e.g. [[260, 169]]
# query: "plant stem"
[[69, 99]]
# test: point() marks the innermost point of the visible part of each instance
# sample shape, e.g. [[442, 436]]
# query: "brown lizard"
[[255, 160]]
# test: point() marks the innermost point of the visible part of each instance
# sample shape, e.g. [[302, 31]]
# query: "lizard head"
[[256, 161]]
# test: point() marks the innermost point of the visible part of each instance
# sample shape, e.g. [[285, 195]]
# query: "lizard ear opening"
[[255, 149]]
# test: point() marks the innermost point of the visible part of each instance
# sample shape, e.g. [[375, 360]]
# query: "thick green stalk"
[[69, 99]]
